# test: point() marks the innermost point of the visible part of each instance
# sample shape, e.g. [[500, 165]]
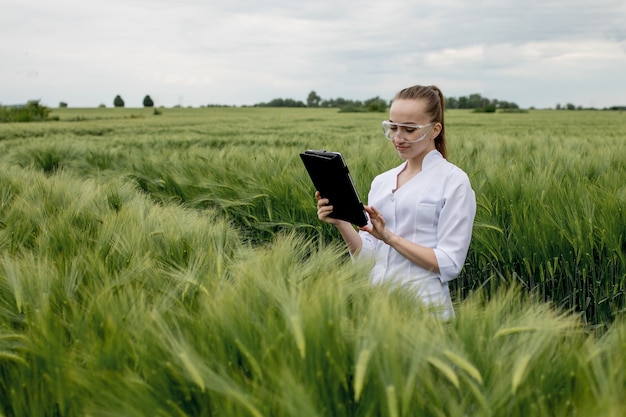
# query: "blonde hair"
[[435, 107]]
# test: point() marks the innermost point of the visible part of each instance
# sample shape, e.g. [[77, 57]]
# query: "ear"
[[436, 130]]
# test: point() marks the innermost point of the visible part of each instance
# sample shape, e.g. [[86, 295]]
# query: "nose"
[[396, 135]]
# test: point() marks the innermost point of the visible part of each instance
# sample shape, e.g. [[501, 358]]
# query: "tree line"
[[314, 100], [473, 101], [34, 111], [477, 101]]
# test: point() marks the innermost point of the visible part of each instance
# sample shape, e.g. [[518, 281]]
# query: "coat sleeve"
[[455, 226]]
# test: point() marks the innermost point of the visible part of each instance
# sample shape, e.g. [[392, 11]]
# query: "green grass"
[[173, 265]]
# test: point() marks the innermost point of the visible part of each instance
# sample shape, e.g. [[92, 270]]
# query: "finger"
[[323, 202], [324, 210], [372, 210], [374, 214]]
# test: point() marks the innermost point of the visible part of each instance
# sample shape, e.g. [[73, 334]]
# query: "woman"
[[421, 212]]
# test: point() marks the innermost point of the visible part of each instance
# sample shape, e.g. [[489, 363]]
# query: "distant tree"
[[313, 100], [506, 105], [62, 105], [489, 108], [452, 103], [31, 112], [476, 101], [282, 102], [147, 102], [375, 104], [341, 102], [118, 102]]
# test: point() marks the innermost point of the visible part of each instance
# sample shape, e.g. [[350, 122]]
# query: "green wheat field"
[[173, 265]]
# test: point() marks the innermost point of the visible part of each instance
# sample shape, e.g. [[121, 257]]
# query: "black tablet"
[[331, 177]]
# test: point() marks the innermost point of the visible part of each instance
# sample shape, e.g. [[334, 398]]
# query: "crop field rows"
[[173, 264]]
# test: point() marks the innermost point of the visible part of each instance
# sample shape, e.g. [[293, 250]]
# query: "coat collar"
[[431, 159]]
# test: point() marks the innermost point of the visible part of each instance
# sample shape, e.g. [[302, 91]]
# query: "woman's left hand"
[[377, 226]]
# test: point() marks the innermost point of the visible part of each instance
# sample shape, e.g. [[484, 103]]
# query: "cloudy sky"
[[241, 52]]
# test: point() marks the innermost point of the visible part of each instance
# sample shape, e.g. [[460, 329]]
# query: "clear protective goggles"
[[406, 131]]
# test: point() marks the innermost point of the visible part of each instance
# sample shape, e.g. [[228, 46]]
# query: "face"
[[412, 112]]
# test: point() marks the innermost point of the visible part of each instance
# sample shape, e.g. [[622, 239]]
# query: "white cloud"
[[456, 57], [245, 51]]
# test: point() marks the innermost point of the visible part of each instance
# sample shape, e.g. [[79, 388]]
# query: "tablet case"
[[331, 177]]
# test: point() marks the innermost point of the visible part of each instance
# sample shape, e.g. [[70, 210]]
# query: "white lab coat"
[[435, 208]]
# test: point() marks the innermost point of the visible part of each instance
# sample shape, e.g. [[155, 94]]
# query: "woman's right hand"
[[324, 209]]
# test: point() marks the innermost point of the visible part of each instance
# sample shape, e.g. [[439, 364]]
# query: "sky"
[[536, 53]]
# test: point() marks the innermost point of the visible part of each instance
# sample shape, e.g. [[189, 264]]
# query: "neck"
[[415, 164]]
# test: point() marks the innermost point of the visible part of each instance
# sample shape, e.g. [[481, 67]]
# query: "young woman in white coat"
[[421, 213]]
